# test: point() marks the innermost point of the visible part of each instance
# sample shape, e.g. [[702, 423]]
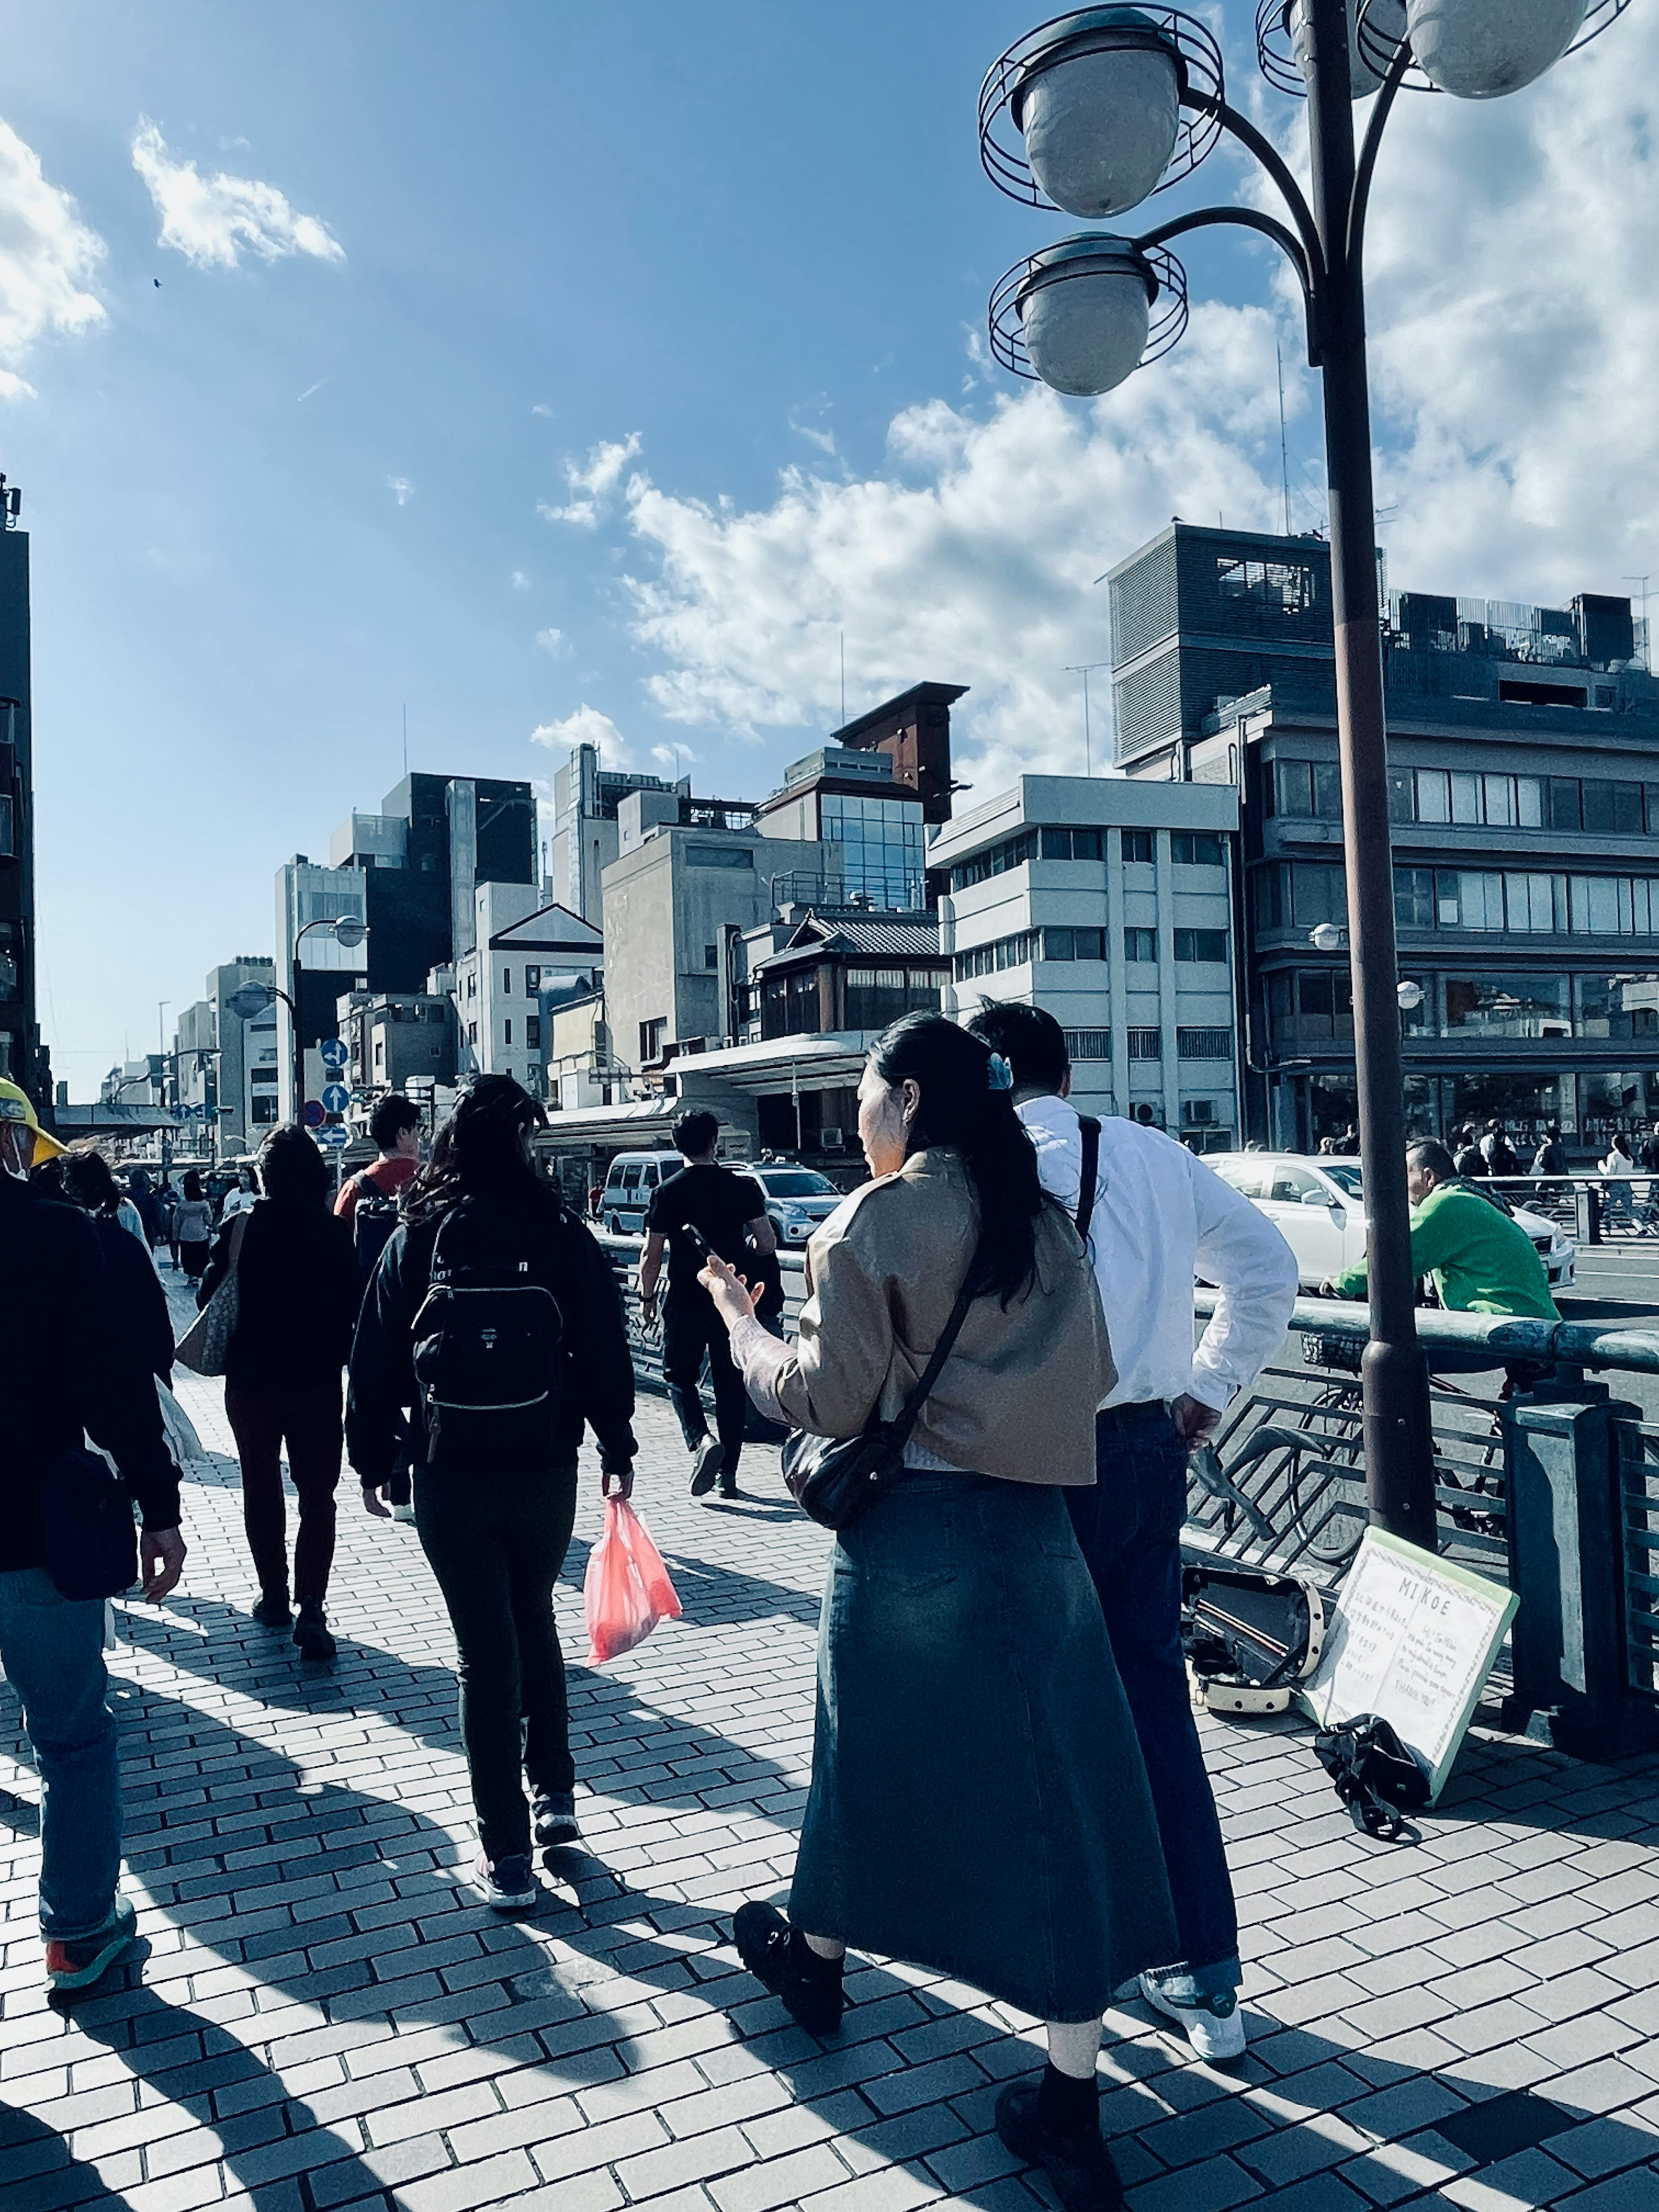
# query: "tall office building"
[[22, 1056]]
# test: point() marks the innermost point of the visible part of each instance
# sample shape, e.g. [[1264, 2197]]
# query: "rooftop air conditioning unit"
[[833, 1140]]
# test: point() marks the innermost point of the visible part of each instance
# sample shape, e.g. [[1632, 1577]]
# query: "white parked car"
[[1317, 1205], [797, 1198]]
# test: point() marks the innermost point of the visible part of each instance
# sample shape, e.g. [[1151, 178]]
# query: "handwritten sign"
[[1413, 1639]]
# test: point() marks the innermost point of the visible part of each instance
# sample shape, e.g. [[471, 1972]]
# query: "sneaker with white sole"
[[78, 1963], [553, 1820], [707, 1467], [509, 1884], [1212, 2021]]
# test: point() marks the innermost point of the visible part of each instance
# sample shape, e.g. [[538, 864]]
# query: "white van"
[[633, 1182]]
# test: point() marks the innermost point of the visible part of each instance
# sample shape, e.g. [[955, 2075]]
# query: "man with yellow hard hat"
[[65, 1375]]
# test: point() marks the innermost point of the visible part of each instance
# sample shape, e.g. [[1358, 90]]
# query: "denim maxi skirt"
[[978, 1803]]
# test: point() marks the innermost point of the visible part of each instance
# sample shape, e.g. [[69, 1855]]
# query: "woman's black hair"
[[192, 1186], [478, 1149], [88, 1181], [292, 1167], [953, 1071]]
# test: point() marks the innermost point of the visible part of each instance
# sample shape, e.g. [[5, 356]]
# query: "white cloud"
[[674, 760], [401, 490], [518, 580], [48, 260], [1516, 327], [541, 407], [210, 220], [593, 481], [553, 642], [586, 726]]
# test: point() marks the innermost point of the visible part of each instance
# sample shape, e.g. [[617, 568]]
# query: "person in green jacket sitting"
[[1479, 1259]]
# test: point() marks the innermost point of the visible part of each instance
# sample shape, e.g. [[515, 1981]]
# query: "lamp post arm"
[[1274, 162], [1368, 153], [1245, 219]]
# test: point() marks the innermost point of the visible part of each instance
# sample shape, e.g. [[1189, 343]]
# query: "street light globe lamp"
[[1097, 102], [1486, 49], [1327, 936], [1410, 995], [1085, 308]]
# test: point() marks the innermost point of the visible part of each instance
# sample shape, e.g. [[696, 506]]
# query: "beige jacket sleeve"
[[829, 1379]]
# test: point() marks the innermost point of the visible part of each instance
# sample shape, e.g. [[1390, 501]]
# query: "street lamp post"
[[1094, 111], [348, 931]]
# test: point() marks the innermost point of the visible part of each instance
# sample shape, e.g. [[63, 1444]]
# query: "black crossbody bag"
[[832, 1479], [88, 1536]]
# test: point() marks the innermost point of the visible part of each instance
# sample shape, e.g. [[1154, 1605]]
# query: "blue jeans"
[[1128, 1527], [52, 1648]]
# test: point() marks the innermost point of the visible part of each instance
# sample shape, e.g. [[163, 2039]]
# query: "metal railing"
[[1549, 1485], [1596, 1209]]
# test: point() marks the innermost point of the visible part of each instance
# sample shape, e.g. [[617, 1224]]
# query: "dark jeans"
[[308, 1421], [496, 1543], [1128, 1527], [690, 1330]]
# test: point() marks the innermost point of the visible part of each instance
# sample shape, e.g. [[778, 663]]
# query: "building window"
[[876, 996], [8, 832], [1310, 1006], [1204, 1044], [711, 956], [472, 1032], [1509, 1005], [1074, 944], [1003, 952], [1413, 898], [881, 847], [1285, 587], [1618, 1005], [1073, 844], [1195, 848], [1140, 945], [507, 1032], [507, 982], [1306, 790], [1136, 846], [1318, 893], [1209, 945], [1145, 1044], [653, 1036], [995, 860], [471, 984], [533, 1032], [718, 856], [532, 982], [1088, 1044]]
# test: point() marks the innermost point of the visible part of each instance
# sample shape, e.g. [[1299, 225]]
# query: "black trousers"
[[691, 1332], [496, 1542]]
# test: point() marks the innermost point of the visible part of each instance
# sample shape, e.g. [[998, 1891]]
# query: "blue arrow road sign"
[[331, 1136], [335, 1098], [332, 1052]]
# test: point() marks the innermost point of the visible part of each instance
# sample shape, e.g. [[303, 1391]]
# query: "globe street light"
[[348, 933], [1074, 116]]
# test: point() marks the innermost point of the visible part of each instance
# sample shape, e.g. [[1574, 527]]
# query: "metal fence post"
[[1572, 1686], [1587, 1205]]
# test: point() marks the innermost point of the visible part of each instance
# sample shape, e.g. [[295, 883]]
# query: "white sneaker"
[[508, 1885], [1212, 2024], [402, 1512]]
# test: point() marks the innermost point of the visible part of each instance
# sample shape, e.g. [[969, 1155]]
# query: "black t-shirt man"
[[715, 1201]]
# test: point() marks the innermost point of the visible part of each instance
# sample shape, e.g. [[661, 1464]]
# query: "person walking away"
[[192, 1228], [1470, 1159], [1498, 1151], [169, 1200], [1155, 1218], [495, 1315], [1616, 1171], [66, 1374], [704, 1207], [296, 1301], [137, 1302], [141, 1191], [368, 1200], [978, 1803], [1550, 1159]]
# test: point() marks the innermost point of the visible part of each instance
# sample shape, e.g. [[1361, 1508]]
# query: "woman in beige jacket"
[[978, 1801]]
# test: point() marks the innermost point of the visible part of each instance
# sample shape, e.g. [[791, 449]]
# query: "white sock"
[[1073, 2046], [825, 1947]]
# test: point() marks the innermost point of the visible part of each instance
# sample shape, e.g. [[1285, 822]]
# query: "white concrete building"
[[1113, 903], [527, 958]]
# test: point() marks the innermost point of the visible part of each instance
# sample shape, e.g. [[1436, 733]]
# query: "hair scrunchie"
[[999, 1076]]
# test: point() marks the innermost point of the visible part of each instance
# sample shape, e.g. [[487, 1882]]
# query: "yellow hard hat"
[[16, 1105]]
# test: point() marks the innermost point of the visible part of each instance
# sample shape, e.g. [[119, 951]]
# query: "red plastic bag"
[[627, 1590]]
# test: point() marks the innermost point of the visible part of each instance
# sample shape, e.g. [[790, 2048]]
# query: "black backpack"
[[1376, 1776], [373, 1221], [487, 1355]]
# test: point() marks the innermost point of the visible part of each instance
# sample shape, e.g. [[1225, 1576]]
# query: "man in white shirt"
[[1156, 1219]]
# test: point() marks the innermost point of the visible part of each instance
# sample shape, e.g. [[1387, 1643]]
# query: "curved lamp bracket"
[[1198, 65]]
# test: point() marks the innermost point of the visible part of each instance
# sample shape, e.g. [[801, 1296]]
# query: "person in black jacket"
[[144, 1324], [65, 1375], [496, 1479], [296, 1299]]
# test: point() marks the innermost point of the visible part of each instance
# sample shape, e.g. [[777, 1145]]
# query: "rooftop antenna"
[[1085, 669], [1647, 635], [1283, 447], [844, 679], [405, 737]]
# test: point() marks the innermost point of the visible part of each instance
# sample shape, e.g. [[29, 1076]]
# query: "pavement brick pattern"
[[326, 2017]]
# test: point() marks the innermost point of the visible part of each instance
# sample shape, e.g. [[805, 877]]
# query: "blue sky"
[[703, 286]]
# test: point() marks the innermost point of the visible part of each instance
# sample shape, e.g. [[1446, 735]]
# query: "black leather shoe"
[[1079, 2166], [771, 1950]]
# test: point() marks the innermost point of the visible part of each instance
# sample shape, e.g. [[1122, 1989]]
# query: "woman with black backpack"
[[493, 1316]]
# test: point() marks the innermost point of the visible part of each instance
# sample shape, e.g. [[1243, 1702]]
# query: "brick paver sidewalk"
[[326, 2015]]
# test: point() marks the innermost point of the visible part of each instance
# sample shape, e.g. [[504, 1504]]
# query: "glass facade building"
[[881, 847]]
